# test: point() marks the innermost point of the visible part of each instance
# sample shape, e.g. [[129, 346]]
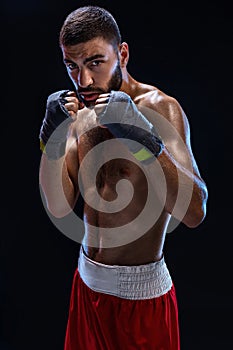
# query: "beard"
[[116, 79], [113, 84]]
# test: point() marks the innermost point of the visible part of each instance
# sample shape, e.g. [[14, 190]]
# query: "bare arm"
[[186, 193], [58, 182], [58, 175], [171, 170]]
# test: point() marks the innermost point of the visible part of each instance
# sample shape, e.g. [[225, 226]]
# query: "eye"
[[71, 66], [95, 63]]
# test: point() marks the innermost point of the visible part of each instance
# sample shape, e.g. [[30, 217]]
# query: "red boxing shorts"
[[122, 308]]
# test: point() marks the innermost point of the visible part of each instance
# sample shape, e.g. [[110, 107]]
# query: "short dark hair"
[[89, 22]]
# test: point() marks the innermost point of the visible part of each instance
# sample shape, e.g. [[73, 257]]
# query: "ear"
[[124, 54]]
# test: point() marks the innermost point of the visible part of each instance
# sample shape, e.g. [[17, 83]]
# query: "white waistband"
[[129, 282]]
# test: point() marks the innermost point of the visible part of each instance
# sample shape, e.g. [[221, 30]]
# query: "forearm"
[[182, 192], [57, 187], [173, 176], [55, 181]]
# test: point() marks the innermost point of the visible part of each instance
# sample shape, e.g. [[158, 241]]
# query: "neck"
[[129, 85]]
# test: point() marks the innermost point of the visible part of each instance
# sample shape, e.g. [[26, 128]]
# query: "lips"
[[89, 96]]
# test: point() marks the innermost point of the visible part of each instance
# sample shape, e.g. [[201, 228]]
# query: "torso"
[[111, 234]]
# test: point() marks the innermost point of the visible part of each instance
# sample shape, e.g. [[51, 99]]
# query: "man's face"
[[94, 69]]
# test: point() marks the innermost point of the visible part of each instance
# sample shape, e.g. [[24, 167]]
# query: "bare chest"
[[105, 159]]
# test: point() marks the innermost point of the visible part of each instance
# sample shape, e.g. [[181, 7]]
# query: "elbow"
[[197, 213], [59, 213], [196, 218], [57, 210]]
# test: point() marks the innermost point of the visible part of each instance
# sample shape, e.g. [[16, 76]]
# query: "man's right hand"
[[73, 104], [61, 111]]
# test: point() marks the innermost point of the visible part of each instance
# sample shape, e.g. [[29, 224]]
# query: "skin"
[[95, 69]]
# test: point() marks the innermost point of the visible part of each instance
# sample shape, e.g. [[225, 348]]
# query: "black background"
[[185, 49]]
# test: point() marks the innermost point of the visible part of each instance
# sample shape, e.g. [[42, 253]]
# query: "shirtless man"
[[118, 142]]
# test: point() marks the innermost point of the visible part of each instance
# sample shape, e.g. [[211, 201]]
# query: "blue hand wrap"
[[125, 121], [53, 132]]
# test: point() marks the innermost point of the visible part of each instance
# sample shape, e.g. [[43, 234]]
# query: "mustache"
[[90, 89]]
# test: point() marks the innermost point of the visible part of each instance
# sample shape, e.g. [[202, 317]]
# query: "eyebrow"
[[88, 59]]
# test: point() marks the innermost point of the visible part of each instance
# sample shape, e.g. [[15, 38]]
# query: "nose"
[[84, 78]]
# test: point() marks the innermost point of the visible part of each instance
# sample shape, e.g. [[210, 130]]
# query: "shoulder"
[[158, 103]]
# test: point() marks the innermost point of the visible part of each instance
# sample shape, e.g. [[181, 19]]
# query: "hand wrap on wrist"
[[125, 121], [53, 132]]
